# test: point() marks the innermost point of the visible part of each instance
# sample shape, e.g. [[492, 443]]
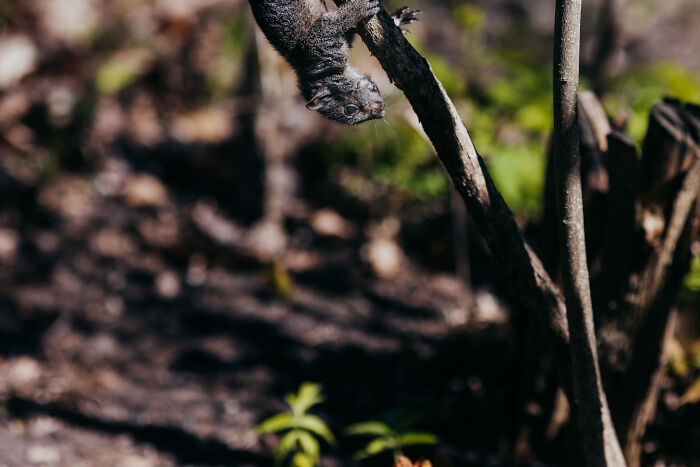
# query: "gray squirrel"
[[316, 43]]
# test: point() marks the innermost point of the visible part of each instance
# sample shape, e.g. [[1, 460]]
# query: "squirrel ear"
[[315, 102]]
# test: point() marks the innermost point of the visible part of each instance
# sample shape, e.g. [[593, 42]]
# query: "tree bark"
[[601, 447]]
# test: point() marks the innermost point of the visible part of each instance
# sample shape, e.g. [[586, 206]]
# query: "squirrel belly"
[[315, 42]]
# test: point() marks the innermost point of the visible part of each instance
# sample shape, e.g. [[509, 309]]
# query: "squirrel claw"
[[405, 15]]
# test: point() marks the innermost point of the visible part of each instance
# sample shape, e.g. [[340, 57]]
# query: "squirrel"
[[316, 41]]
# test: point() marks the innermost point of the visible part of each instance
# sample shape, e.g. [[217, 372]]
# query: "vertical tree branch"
[[601, 446]]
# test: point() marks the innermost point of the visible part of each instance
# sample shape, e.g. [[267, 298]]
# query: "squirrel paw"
[[405, 15]]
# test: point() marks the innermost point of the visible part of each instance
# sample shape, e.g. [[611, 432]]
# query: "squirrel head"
[[347, 99]]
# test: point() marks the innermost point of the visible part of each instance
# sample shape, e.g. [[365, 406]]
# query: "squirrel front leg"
[[344, 20], [339, 22]]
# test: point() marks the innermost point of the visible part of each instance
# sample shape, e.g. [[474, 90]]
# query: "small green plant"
[[303, 430], [390, 436]]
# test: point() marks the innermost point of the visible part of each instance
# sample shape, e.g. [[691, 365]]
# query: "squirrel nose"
[[378, 109]]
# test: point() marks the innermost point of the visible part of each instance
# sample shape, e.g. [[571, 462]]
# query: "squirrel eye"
[[351, 109]]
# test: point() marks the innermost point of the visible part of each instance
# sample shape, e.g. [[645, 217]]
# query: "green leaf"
[[275, 423], [303, 460], [309, 444], [316, 425], [374, 447], [282, 282], [309, 395], [369, 428], [291, 399], [286, 445], [413, 438], [122, 69]]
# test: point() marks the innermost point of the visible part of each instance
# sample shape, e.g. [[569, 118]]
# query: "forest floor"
[[128, 337], [119, 348]]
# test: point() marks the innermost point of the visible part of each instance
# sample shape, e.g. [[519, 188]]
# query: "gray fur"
[[316, 43]]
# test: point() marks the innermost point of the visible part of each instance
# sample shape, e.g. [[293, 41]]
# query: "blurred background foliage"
[[496, 67], [494, 59]]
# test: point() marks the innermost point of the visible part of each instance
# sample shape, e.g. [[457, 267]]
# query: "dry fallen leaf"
[[145, 190], [9, 241], [70, 196], [208, 125], [384, 256], [112, 243], [329, 223]]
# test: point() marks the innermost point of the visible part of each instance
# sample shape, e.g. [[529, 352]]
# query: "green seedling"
[[389, 436], [303, 430]]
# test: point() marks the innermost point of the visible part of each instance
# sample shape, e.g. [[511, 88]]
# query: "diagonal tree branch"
[[533, 287], [601, 447]]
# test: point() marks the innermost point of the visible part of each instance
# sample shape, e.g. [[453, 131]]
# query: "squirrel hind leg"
[[405, 15]]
